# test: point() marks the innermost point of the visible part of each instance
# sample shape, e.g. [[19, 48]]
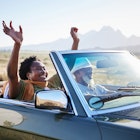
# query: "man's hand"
[[73, 32]]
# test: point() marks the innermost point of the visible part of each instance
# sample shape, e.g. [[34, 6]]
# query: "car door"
[[20, 120]]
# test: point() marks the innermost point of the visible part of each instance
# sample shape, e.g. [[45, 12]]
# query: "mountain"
[[106, 38]]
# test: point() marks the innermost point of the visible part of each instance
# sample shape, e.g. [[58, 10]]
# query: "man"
[[83, 73]]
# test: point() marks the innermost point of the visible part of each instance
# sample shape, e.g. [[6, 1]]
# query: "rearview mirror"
[[106, 63], [51, 99]]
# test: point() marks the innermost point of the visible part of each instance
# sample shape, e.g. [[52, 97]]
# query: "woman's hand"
[[15, 35]]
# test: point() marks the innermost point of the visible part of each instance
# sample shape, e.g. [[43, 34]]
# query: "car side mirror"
[[51, 99]]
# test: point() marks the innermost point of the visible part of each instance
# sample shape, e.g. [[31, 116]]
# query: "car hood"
[[129, 117]]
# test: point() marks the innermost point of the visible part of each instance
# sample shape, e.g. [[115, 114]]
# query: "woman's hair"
[[25, 66]]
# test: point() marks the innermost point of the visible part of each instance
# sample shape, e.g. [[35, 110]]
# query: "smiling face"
[[84, 76], [37, 72], [88, 72]]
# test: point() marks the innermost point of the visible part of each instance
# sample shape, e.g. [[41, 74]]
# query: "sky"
[[48, 20]]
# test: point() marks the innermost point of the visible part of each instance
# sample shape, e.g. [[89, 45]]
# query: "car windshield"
[[113, 77]]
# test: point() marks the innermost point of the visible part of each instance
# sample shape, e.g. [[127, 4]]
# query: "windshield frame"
[[63, 53]]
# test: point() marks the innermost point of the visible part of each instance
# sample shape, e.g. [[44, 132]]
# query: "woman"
[[32, 72]]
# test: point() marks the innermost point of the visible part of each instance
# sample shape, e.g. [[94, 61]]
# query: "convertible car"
[[66, 112]]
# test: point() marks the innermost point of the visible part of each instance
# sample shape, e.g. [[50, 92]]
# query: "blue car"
[[104, 106]]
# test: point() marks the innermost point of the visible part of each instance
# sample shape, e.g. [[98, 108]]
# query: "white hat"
[[81, 63]]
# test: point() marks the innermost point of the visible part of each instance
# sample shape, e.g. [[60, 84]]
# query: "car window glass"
[[113, 71]]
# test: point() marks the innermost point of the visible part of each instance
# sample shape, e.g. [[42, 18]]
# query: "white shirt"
[[96, 90]]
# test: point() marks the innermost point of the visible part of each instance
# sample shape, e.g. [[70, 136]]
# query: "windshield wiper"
[[108, 97], [97, 102]]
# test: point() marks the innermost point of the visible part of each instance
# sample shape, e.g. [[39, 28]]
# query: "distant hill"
[[106, 38]]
